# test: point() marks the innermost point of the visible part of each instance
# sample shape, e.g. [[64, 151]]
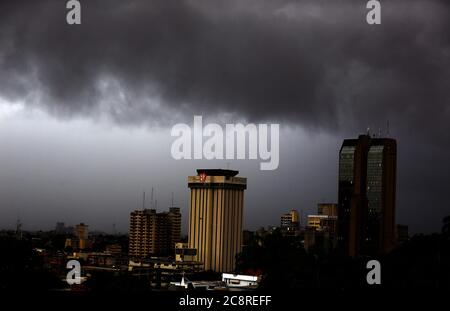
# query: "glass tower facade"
[[366, 203], [374, 179]]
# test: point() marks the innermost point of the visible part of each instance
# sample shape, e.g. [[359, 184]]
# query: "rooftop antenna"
[[379, 133], [151, 200], [368, 131], [143, 200], [19, 233], [387, 129]]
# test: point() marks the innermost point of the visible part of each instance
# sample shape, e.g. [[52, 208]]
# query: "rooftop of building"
[[217, 172], [372, 139]]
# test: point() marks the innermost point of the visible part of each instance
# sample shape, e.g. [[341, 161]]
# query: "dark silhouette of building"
[[366, 198], [402, 234], [290, 223], [320, 230]]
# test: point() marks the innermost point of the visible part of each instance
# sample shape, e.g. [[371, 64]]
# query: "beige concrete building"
[[81, 232], [140, 243], [153, 233], [174, 217], [215, 219], [316, 221]]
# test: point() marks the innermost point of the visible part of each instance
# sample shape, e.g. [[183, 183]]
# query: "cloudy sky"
[[86, 110]]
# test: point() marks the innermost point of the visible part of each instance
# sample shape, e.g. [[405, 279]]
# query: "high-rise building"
[[153, 233], [175, 226], [81, 232], [215, 219], [290, 223], [140, 236], [366, 195]]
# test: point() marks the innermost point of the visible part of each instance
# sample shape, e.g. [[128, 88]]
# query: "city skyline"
[[152, 204], [86, 110]]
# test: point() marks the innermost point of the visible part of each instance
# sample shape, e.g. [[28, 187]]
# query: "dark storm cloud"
[[314, 63]]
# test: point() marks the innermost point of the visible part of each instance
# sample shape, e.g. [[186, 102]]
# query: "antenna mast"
[[151, 200], [19, 233], [387, 129], [143, 200]]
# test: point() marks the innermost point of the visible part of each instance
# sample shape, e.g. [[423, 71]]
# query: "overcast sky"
[[86, 110]]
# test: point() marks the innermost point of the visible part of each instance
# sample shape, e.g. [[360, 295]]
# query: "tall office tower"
[[290, 223], [81, 232], [366, 195], [153, 233], [215, 219]]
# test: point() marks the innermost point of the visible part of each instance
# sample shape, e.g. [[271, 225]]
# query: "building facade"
[[320, 230], [366, 195], [175, 226], [215, 217], [290, 223], [183, 253], [329, 209], [154, 234], [81, 234]]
